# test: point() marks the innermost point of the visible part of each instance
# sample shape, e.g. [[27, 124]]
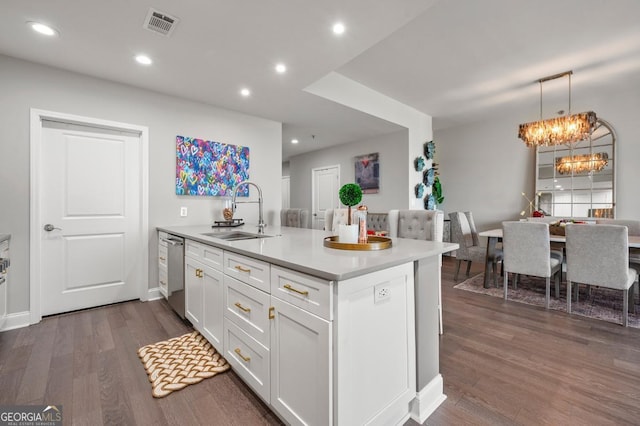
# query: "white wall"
[[25, 85], [485, 167], [393, 150]]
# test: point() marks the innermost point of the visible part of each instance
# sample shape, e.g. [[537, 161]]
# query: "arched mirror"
[[578, 181]]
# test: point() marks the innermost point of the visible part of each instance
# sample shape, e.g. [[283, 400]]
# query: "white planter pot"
[[348, 234]]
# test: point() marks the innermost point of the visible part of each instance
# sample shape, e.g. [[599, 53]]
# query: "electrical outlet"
[[381, 293], [183, 212]]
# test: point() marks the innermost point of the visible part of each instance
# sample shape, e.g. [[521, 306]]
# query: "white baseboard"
[[428, 400], [17, 320], [154, 294]]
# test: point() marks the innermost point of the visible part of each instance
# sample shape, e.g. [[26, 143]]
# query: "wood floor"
[[503, 363]]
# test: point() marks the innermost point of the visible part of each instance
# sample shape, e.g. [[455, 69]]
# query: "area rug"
[[179, 362], [600, 303]]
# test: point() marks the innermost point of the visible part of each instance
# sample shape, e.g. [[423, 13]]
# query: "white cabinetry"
[[203, 290], [162, 263]]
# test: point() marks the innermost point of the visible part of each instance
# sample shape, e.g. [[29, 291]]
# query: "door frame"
[[36, 118], [313, 189]]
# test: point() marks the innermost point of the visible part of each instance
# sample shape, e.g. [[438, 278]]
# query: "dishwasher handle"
[[172, 241]]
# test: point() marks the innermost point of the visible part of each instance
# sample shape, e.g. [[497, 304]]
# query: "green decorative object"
[[436, 190], [350, 194]]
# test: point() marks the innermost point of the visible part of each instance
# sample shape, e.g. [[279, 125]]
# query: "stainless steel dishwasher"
[[175, 273]]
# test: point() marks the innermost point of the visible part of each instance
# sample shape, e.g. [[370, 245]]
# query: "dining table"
[[495, 235]]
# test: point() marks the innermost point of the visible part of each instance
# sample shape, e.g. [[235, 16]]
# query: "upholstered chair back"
[[378, 221], [633, 226], [526, 248], [416, 224], [335, 217], [598, 255], [297, 218]]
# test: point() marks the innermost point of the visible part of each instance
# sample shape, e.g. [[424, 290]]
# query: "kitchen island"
[[324, 336]]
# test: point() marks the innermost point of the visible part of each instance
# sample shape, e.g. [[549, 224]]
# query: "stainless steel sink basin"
[[235, 235]]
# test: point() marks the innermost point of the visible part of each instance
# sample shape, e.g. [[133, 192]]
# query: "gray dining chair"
[[463, 232], [419, 225], [297, 218], [599, 255], [633, 227], [527, 251]]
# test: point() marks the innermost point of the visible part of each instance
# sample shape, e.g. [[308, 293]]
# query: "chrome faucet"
[[261, 224]]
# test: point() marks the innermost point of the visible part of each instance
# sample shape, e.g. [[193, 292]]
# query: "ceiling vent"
[[160, 22]]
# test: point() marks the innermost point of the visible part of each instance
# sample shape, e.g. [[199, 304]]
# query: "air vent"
[[160, 22]]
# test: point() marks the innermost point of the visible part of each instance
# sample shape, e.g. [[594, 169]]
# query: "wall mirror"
[[578, 181]]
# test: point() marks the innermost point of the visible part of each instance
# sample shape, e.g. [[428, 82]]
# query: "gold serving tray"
[[373, 243]]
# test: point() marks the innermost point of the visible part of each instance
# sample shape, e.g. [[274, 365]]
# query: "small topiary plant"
[[350, 194]]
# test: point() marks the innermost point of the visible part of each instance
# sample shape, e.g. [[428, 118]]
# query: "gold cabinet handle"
[[162, 258], [288, 287], [162, 282], [239, 305], [199, 273], [272, 312], [244, 358], [241, 269]]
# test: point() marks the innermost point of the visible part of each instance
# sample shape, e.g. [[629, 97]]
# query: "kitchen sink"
[[235, 235]]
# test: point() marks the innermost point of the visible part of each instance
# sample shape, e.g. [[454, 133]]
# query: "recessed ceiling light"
[[245, 92], [281, 68], [143, 59], [42, 29], [338, 28], [294, 141]]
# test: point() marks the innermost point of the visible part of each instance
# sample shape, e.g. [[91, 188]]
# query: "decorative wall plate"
[[420, 190], [430, 203], [429, 149], [419, 163], [429, 176]]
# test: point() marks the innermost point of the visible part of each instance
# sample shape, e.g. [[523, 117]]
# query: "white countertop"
[[303, 250]]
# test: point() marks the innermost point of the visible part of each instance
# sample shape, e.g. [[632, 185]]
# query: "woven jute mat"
[[180, 362]]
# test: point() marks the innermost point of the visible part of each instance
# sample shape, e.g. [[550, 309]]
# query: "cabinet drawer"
[[208, 255], [304, 291], [247, 270], [162, 281], [249, 359], [162, 255], [248, 308]]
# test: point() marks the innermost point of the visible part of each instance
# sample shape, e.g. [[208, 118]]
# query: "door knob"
[[49, 227]]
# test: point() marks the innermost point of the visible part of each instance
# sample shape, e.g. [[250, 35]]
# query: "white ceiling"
[[456, 60]]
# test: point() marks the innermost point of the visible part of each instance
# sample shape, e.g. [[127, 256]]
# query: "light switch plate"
[[183, 211]]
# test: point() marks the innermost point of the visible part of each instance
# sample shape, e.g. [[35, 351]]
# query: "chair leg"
[[558, 284], [568, 296], [625, 309], [495, 274], [547, 294], [505, 284], [515, 281], [468, 268], [455, 276]]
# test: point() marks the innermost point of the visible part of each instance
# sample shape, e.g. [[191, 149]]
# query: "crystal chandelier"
[[576, 164], [567, 129]]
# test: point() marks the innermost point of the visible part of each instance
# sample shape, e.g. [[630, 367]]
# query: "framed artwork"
[[210, 168], [368, 173]]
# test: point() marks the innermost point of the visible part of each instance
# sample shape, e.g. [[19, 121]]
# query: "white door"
[[325, 182], [90, 211], [286, 191]]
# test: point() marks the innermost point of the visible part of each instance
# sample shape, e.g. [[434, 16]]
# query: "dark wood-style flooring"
[[503, 363]]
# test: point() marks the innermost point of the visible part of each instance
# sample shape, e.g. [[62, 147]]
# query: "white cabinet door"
[[212, 312], [300, 366], [194, 291]]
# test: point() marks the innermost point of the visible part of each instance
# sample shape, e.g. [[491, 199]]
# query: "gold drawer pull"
[[162, 258], [244, 358], [288, 287], [199, 273], [242, 307], [162, 282], [272, 312], [241, 269]]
